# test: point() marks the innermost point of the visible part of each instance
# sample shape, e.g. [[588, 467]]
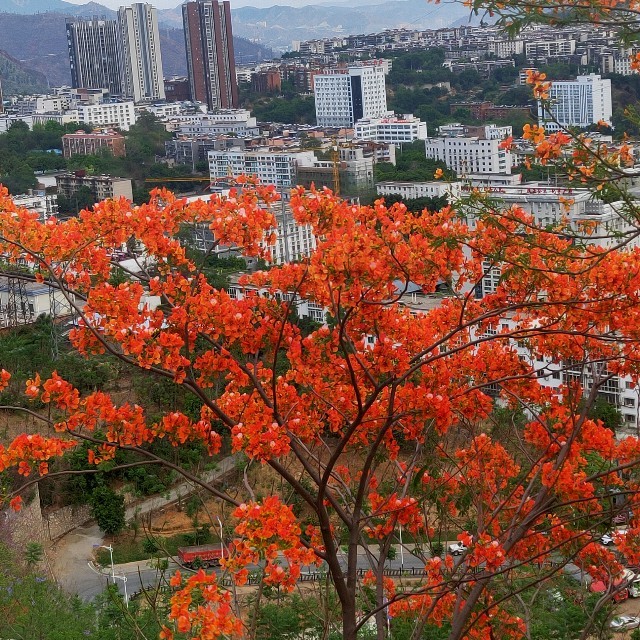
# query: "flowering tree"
[[380, 419]]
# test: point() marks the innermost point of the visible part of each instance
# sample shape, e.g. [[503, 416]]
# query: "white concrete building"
[[344, 96], [469, 155], [506, 48], [392, 130], [45, 205], [577, 103], [223, 121], [120, 115], [549, 48], [414, 190], [270, 167]]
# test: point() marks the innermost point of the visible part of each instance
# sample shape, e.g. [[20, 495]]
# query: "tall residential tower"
[[345, 95], [141, 58], [94, 55], [210, 57]]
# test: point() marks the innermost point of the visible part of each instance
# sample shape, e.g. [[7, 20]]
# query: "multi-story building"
[[102, 187], [189, 150], [1, 99], [120, 115], [266, 81], [177, 90], [239, 122], [543, 49], [95, 54], [345, 95], [391, 130], [278, 168], [470, 155], [82, 143], [415, 190], [210, 54], [355, 172], [141, 60], [40, 202], [577, 103]]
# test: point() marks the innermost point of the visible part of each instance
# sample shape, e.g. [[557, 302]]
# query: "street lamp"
[[221, 538], [110, 548], [113, 572], [401, 551]]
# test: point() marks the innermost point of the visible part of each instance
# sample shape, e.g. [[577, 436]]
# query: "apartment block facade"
[[120, 115], [210, 53], [86, 144], [577, 103], [102, 187], [345, 95], [279, 169], [470, 155], [391, 130], [94, 54], [142, 78]]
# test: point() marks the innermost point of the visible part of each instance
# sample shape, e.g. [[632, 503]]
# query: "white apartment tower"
[[577, 103], [346, 95], [142, 78]]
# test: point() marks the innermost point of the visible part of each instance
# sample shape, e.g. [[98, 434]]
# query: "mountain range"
[[33, 31], [277, 26]]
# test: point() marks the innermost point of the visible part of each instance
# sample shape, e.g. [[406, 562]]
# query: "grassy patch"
[[127, 549]]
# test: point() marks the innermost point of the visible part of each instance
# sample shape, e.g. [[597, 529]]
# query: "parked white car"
[[622, 623], [457, 548]]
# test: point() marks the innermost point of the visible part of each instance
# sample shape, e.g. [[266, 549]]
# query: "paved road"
[[71, 553], [140, 574]]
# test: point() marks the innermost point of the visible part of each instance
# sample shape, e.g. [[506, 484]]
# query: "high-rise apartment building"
[[346, 95], [141, 60], [94, 55], [210, 57], [577, 103]]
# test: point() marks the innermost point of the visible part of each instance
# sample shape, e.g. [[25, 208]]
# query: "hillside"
[[39, 42], [17, 78]]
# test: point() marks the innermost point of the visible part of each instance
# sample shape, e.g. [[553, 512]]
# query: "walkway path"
[[69, 555]]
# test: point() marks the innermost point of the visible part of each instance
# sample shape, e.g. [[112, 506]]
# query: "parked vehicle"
[[606, 539], [620, 592], [204, 555], [457, 548], [622, 623], [634, 584]]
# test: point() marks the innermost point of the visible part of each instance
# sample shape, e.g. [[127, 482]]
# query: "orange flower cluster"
[[537, 80], [201, 609], [269, 531]]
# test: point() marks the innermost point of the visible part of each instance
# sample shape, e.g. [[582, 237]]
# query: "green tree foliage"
[[608, 413], [33, 608], [33, 553], [107, 507], [418, 204], [295, 110], [411, 165]]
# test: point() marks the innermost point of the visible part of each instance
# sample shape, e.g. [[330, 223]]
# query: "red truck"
[[204, 555]]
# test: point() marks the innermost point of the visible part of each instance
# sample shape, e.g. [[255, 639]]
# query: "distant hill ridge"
[[278, 25], [17, 78], [39, 42]]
